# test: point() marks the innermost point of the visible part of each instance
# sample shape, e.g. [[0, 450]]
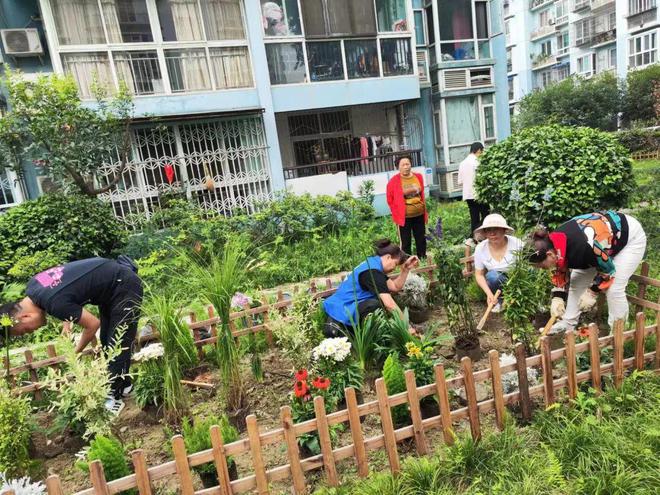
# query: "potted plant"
[[414, 296], [452, 292]]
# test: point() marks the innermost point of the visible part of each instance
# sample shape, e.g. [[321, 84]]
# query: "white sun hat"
[[494, 220]]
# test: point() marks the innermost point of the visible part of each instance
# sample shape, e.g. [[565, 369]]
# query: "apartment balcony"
[[563, 51], [581, 5], [600, 4], [542, 61], [561, 21], [537, 4], [543, 31], [637, 7], [604, 37]]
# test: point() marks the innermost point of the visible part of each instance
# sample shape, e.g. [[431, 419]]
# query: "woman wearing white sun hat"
[[494, 256]]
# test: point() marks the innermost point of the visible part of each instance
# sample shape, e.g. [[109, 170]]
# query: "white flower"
[[337, 349], [152, 351], [21, 486]]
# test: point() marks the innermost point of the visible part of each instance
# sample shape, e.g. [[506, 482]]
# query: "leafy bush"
[[149, 385], [553, 171], [112, 455], [395, 381], [640, 100], [29, 264], [639, 139], [57, 223], [15, 429]]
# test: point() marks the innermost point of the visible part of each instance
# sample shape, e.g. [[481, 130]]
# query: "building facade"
[[548, 40], [238, 99]]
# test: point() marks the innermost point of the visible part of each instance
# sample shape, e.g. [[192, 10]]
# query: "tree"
[[71, 141], [642, 98], [575, 101]]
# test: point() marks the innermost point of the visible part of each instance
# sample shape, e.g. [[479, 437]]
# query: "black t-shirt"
[[62, 291], [374, 281]]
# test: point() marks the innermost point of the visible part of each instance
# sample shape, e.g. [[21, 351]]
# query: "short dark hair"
[[385, 246], [476, 146], [402, 157], [10, 308], [540, 244]]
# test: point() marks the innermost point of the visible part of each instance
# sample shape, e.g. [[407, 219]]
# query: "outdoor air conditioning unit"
[[21, 42], [551, 22]]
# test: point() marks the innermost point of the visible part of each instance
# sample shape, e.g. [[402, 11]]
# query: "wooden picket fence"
[[294, 471], [255, 320]]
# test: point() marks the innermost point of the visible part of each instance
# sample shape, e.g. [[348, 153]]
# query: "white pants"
[[625, 262]]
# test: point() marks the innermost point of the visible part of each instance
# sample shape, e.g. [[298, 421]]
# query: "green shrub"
[[112, 455], [555, 171], [55, 223], [639, 139], [29, 264], [15, 429], [395, 381], [639, 101]]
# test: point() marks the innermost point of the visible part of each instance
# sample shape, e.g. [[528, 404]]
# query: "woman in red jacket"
[[405, 196]]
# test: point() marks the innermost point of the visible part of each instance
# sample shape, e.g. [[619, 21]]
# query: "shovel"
[[548, 325], [482, 322]]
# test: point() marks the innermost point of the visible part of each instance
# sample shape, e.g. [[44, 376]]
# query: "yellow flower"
[[5, 320], [413, 350]]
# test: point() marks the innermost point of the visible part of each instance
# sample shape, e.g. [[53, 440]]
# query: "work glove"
[[587, 301], [557, 307], [560, 327]]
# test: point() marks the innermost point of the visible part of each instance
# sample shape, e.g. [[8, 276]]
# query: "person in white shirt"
[[467, 171], [494, 256]]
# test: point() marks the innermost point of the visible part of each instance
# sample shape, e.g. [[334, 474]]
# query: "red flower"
[[300, 388], [301, 375], [321, 383], [583, 331]]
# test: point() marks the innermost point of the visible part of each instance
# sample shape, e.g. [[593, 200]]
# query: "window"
[[420, 34], [325, 61], [397, 57], [188, 20], [488, 110], [546, 48], [321, 136], [543, 18], [481, 11], [561, 9], [463, 125], [430, 25], [140, 71], [362, 59], [280, 17], [612, 56], [326, 18], [188, 70], [286, 63], [546, 78], [642, 50], [455, 19], [638, 6], [582, 31], [563, 43], [391, 15], [585, 65], [86, 69], [511, 89], [231, 67], [509, 60]]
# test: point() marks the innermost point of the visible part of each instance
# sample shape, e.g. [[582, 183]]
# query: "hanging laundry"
[[169, 173]]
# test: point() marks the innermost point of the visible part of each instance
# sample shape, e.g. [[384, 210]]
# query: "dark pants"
[[414, 227], [122, 311], [334, 328], [478, 212]]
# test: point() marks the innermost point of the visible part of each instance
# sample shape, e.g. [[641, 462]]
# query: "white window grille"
[[11, 192], [222, 165], [642, 50], [638, 6]]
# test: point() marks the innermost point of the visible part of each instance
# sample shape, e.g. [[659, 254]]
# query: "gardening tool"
[[490, 307], [548, 325]]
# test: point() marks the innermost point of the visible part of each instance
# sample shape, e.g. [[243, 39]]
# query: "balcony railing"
[[543, 60], [562, 51], [604, 37], [543, 31], [640, 6], [561, 20], [354, 166], [536, 4], [598, 4], [581, 4]]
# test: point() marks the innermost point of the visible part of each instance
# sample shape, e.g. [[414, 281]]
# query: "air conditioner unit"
[[551, 22], [21, 42]]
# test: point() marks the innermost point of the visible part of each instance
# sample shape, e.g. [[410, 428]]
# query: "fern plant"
[[395, 381]]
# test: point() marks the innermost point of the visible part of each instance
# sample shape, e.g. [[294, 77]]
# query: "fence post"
[[34, 377], [387, 425], [292, 450], [571, 369], [220, 460], [356, 432], [618, 352], [214, 327], [266, 318], [182, 466], [657, 339], [416, 413], [641, 285], [443, 401], [141, 473], [594, 358], [546, 364], [53, 485], [523, 382], [52, 352], [257, 459], [196, 335], [640, 321], [471, 395], [325, 442], [97, 476], [496, 381]]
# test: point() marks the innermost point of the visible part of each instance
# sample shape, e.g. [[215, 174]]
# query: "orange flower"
[[583, 331], [321, 383], [300, 388], [301, 375]]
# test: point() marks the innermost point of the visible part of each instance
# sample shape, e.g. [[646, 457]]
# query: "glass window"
[[457, 50], [397, 57], [231, 67], [546, 48], [324, 18], [188, 70], [324, 59], [286, 63], [430, 25], [484, 49], [420, 35], [455, 19], [280, 17], [437, 127], [391, 15], [78, 22], [88, 69], [642, 50], [362, 58], [612, 57], [463, 125], [489, 122], [127, 21], [140, 71], [481, 11], [222, 19]]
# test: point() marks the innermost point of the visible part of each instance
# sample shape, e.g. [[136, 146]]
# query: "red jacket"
[[396, 201]]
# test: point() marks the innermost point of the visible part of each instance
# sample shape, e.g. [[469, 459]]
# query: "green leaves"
[[15, 430]]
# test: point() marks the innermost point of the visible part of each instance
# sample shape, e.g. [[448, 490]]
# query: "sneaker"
[[115, 406], [127, 391], [497, 308], [559, 327]]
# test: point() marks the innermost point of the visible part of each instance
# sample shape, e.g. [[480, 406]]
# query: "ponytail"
[[540, 244]]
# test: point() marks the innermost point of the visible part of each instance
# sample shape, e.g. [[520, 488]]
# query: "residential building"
[[244, 98], [552, 39]]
